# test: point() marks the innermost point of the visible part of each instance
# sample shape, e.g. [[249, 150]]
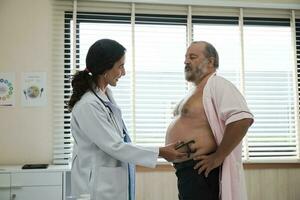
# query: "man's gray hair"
[[210, 52]]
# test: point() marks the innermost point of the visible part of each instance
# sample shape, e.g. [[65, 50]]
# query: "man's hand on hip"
[[207, 163]]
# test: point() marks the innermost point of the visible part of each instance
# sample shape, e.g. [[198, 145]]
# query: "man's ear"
[[211, 61]]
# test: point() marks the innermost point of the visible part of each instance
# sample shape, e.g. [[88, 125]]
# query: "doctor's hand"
[[169, 153]]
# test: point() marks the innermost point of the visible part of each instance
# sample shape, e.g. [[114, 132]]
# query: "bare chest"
[[192, 106]]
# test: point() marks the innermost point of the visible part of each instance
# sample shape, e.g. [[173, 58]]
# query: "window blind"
[[95, 26], [269, 88], [160, 48], [156, 39], [296, 20], [61, 89], [222, 32]]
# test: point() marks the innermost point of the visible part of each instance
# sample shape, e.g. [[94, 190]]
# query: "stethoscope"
[[111, 112], [103, 102]]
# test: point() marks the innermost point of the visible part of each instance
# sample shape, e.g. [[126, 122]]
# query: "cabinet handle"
[[13, 196]]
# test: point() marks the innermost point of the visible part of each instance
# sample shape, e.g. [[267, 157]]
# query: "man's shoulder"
[[219, 84], [217, 80]]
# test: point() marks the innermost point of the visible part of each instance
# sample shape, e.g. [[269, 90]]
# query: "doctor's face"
[[112, 76]]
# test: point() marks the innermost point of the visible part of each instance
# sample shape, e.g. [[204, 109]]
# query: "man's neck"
[[202, 81]]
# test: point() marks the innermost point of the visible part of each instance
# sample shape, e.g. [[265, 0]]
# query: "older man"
[[214, 117]]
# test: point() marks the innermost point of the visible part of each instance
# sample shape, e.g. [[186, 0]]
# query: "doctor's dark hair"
[[101, 57]]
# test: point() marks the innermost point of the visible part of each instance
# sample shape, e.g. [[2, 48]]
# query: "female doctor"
[[103, 157]]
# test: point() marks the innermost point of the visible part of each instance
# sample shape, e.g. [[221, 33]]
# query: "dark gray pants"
[[194, 186]]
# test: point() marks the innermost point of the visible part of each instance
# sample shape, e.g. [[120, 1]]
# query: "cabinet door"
[[36, 193], [4, 193], [4, 186], [36, 185]]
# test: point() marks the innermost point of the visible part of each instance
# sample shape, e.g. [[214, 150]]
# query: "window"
[[158, 84], [223, 33], [256, 54], [160, 46], [269, 87]]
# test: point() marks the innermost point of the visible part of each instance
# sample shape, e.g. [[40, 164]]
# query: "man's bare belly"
[[184, 129]]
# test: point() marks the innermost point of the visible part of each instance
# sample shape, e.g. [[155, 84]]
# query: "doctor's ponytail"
[[82, 82]]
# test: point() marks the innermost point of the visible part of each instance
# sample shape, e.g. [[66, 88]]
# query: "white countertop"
[[18, 168]]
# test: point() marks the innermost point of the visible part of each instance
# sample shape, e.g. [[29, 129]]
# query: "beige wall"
[[25, 46]]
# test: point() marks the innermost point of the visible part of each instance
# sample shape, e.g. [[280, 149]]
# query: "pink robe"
[[223, 104]]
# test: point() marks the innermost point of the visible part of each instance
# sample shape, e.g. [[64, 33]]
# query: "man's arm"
[[234, 133]]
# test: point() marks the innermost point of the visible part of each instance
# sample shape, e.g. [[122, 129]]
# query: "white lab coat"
[[100, 155]]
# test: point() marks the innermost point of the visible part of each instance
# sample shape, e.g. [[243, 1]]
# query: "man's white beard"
[[188, 75], [197, 73]]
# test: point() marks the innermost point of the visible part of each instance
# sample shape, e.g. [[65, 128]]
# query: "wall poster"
[[7, 89], [34, 91]]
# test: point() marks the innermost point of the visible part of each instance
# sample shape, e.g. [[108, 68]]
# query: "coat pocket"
[[110, 183]]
